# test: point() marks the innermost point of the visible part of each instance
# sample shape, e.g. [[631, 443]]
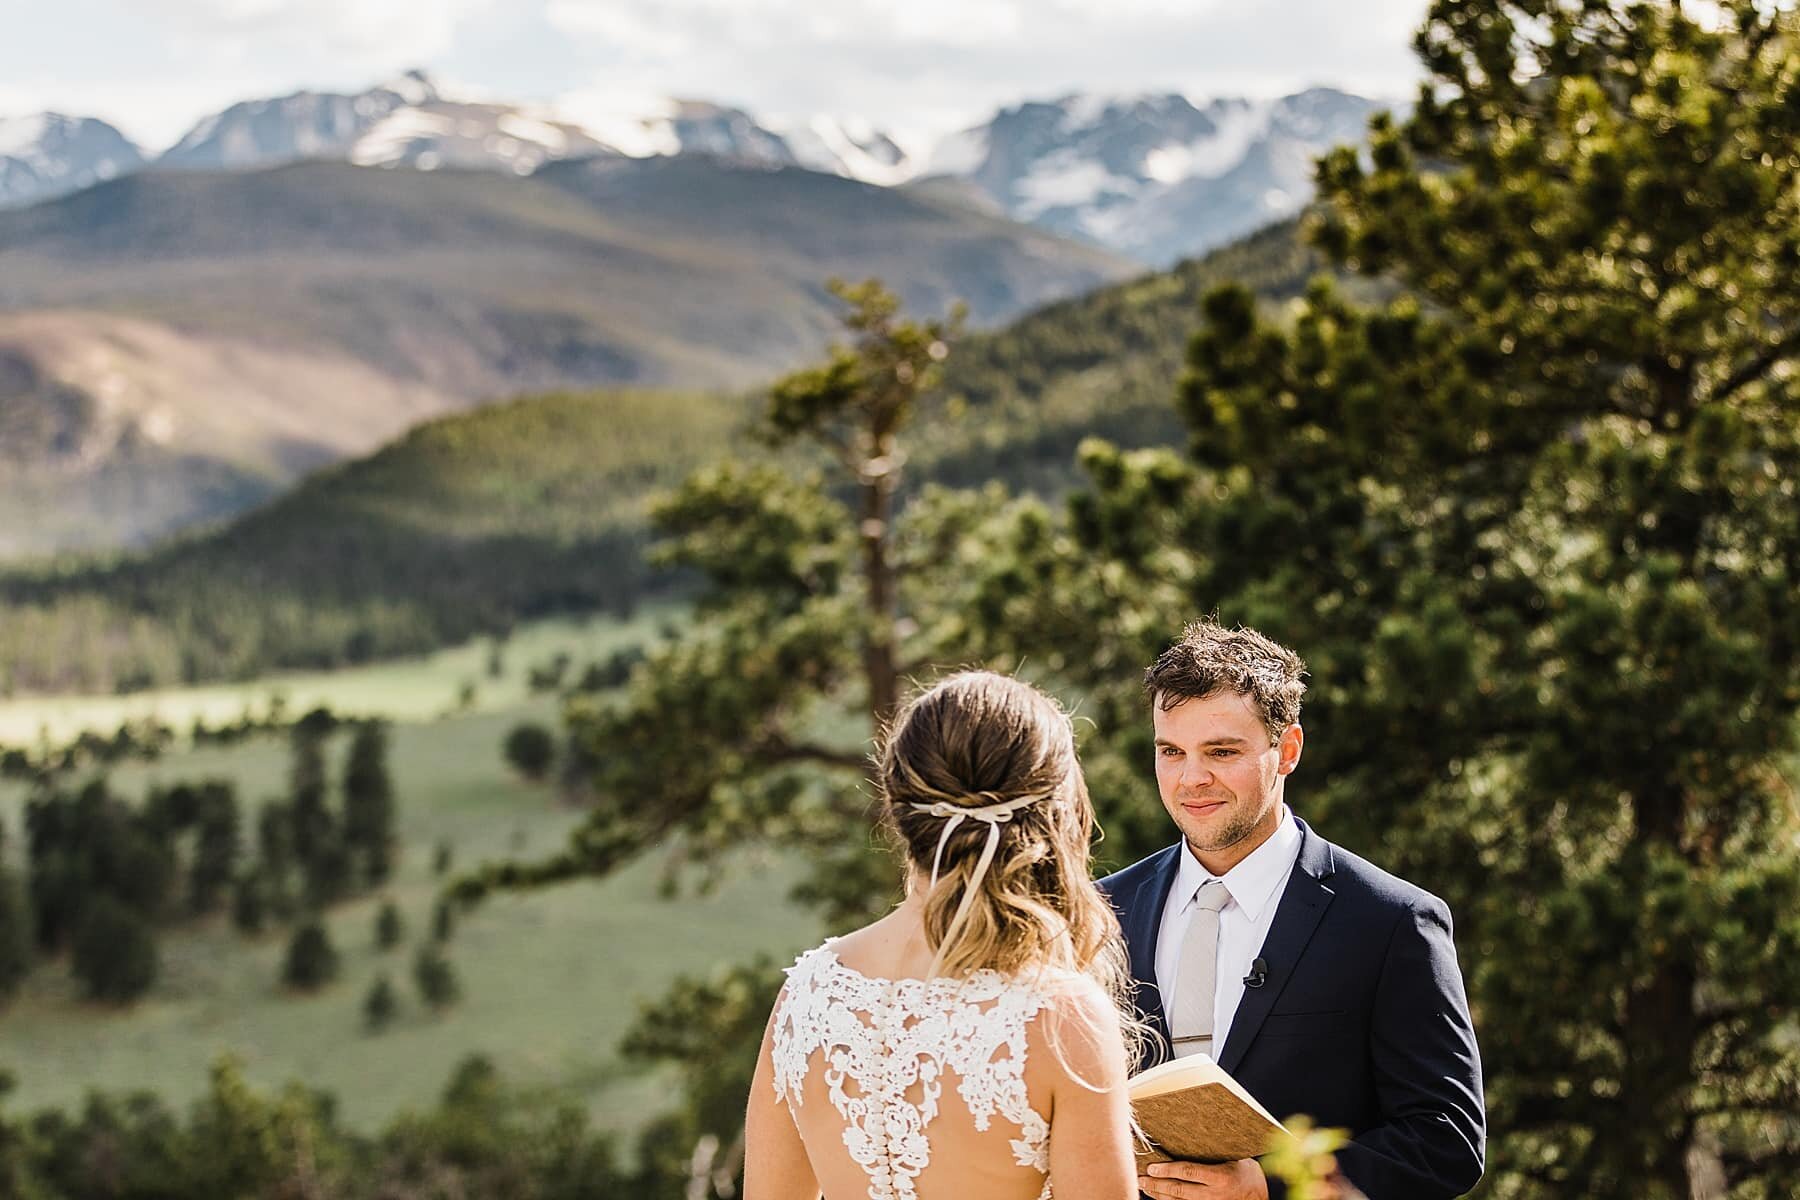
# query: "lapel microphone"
[[1259, 974]]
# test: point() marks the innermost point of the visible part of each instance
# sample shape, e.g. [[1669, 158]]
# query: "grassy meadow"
[[550, 980], [416, 689]]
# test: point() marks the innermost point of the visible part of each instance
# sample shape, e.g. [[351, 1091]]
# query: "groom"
[[1322, 983]]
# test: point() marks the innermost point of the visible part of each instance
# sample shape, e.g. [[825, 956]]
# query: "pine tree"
[[1532, 523], [330, 873], [530, 748], [436, 978], [820, 594], [16, 932], [249, 906], [308, 796], [89, 843], [381, 1004], [314, 827], [276, 859], [388, 926], [311, 961], [369, 806], [275, 836], [443, 920], [113, 951], [327, 868], [216, 846], [811, 599]]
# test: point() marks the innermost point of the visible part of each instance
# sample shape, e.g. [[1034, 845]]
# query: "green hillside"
[[475, 521], [466, 525]]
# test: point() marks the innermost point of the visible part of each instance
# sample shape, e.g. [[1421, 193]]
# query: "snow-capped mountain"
[[455, 133], [851, 148], [48, 154], [412, 122], [1154, 176], [305, 125], [405, 122]]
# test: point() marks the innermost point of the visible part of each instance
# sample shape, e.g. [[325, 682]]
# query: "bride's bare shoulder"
[[1078, 1032], [893, 947]]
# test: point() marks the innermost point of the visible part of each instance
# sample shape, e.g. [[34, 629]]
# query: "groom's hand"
[[1240, 1180]]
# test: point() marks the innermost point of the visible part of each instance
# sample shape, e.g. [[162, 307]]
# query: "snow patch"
[[1236, 129], [529, 129], [20, 135], [635, 125], [390, 139], [856, 150], [1085, 110], [960, 153], [1066, 180], [158, 425], [414, 87]]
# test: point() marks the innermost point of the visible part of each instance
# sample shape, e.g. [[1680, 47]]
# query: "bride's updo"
[[981, 752]]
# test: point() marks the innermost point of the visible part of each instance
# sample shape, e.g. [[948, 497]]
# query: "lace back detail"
[[914, 1033]]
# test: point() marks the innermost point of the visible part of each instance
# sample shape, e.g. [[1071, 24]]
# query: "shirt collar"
[[1253, 882]]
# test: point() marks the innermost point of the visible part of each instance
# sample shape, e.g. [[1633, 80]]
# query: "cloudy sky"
[[917, 67]]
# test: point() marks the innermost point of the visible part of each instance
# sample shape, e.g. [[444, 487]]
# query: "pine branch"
[[1787, 344], [776, 749]]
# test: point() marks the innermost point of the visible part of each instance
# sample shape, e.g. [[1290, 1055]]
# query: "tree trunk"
[[1659, 1030], [880, 473]]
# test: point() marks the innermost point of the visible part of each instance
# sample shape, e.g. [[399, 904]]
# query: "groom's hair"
[[1208, 658]]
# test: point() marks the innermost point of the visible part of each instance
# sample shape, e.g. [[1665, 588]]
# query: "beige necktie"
[[1191, 1019]]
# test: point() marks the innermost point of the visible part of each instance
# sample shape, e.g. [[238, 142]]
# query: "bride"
[[974, 1042]]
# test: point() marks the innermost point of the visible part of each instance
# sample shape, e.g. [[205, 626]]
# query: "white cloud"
[[153, 114], [916, 69], [384, 31], [924, 68], [684, 26]]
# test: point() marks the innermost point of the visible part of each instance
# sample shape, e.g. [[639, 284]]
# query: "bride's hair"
[[977, 740]]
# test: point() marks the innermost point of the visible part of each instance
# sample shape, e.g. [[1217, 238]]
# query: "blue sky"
[[920, 68]]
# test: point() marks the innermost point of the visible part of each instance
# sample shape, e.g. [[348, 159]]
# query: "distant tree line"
[[147, 739], [144, 741], [552, 675], [484, 1139]]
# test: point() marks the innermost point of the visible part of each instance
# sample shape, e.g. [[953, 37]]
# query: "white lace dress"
[[885, 1046]]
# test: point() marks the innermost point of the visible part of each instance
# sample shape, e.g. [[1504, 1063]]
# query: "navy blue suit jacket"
[[1361, 1023]]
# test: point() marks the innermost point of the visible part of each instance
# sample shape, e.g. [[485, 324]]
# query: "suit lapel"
[[1303, 903], [1142, 926]]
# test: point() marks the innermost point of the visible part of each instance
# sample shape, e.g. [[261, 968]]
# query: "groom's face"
[[1219, 774]]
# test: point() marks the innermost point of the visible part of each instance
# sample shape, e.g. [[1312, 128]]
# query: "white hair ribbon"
[[995, 815]]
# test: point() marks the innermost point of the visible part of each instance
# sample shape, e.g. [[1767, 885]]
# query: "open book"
[[1192, 1111]]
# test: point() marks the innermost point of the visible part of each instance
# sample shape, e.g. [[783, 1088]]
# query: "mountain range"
[[1154, 176], [176, 345], [1151, 176], [184, 336], [47, 155]]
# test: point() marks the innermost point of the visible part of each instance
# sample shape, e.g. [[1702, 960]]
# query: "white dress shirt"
[[1255, 886]]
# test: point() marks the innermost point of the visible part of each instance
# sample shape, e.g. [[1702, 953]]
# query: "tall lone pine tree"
[[754, 728]]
